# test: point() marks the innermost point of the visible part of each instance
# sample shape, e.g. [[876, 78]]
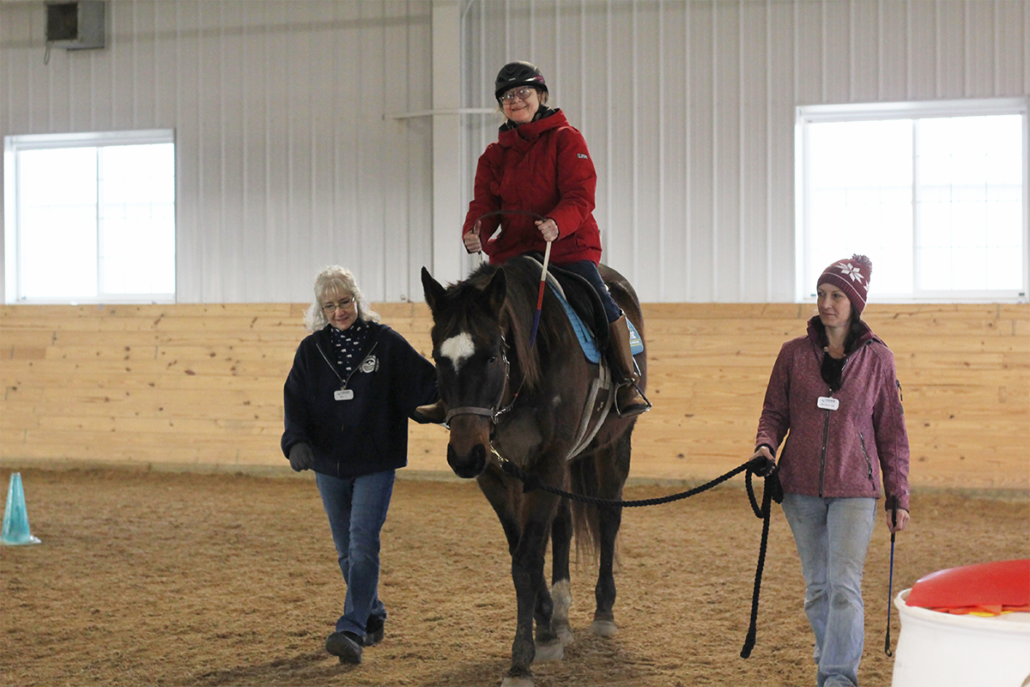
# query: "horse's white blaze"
[[458, 348]]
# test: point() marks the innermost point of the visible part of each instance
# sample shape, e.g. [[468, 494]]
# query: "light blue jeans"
[[357, 507], [832, 536]]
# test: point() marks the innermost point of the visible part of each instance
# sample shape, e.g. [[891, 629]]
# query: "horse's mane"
[[523, 282]]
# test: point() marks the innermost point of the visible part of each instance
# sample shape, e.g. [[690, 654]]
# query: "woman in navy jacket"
[[836, 391], [353, 386]]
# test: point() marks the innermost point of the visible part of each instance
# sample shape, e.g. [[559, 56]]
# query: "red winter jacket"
[[835, 453], [543, 167]]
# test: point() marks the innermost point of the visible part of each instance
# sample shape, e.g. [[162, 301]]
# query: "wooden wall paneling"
[[202, 385]]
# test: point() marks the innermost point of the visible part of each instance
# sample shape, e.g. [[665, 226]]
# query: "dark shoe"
[[373, 631], [628, 400], [346, 645]]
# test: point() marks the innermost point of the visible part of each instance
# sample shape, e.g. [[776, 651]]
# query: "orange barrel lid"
[[1000, 583]]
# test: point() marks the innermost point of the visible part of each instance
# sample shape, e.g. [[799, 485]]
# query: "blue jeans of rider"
[[832, 536], [589, 271], [357, 507]]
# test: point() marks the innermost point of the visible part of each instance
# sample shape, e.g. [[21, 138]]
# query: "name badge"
[[828, 403], [344, 394]]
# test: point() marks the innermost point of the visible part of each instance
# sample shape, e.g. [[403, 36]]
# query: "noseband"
[[495, 412]]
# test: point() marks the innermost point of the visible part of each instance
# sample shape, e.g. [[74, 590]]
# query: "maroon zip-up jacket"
[[835, 453], [542, 167]]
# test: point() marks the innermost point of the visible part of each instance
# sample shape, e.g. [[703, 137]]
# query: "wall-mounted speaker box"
[[75, 25]]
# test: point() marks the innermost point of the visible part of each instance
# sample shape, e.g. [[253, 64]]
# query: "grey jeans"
[[832, 536]]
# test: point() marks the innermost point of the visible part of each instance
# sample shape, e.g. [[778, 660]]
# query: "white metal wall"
[[688, 109], [285, 162]]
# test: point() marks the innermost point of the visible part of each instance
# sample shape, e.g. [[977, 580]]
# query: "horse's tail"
[[605, 483], [586, 526]]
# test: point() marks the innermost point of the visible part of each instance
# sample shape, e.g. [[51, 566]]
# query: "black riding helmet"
[[516, 74]]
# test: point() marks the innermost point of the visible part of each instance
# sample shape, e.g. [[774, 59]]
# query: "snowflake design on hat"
[[849, 270]]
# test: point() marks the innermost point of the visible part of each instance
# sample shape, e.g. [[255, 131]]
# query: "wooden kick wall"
[[200, 386]]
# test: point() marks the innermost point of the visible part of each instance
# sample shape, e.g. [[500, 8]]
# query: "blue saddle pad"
[[587, 341]]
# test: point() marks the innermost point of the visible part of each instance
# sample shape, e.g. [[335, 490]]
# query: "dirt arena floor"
[[149, 578]]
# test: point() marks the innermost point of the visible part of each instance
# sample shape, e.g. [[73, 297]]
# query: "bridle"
[[496, 411]]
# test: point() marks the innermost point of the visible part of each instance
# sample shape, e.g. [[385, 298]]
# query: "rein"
[[511, 212], [495, 412], [773, 492]]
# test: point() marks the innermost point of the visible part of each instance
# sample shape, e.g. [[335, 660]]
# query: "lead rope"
[[773, 491]]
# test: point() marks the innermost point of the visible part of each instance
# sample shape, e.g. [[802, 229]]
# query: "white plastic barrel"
[[944, 650]]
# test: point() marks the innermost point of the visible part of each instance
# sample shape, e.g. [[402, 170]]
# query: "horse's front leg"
[[527, 572]]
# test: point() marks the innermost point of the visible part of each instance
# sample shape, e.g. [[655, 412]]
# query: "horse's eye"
[[493, 359]]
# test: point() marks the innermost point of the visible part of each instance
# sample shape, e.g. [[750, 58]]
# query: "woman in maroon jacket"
[[540, 164], [836, 392]]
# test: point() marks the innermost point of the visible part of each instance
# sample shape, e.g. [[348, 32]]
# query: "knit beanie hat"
[[852, 277]]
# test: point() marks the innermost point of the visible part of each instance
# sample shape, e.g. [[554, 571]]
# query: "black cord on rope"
[[760, 466], [533, 483], [773, 492]]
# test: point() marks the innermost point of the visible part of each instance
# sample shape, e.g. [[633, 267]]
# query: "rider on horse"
[[541, 164]]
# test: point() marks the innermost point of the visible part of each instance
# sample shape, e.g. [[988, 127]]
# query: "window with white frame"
[[934, 193], [90, 217]]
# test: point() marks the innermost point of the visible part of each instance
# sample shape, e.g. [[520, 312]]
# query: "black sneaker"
[[373, 631], [346, 645]]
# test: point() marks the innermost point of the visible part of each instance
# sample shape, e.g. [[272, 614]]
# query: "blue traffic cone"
[[16, 520]]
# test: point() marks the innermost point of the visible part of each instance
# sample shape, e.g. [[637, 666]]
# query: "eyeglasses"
[[517, 94], [342, 305]]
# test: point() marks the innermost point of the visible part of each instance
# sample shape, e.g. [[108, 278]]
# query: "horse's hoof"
[[517, 682], [604, 628], [564, 633], [549, 651]]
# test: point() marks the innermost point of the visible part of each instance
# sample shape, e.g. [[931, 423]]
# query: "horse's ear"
[[495, 292], [432, 289]]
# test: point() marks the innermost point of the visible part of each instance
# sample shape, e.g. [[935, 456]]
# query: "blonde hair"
[[336, 282]]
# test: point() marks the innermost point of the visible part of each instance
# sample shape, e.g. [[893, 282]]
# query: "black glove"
[[762, 466], [301, 457]]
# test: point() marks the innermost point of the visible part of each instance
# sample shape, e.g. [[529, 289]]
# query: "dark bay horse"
[[508, 401]]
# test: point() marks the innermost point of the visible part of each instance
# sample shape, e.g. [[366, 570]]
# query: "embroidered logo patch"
[[581, 156], [369, 364]]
